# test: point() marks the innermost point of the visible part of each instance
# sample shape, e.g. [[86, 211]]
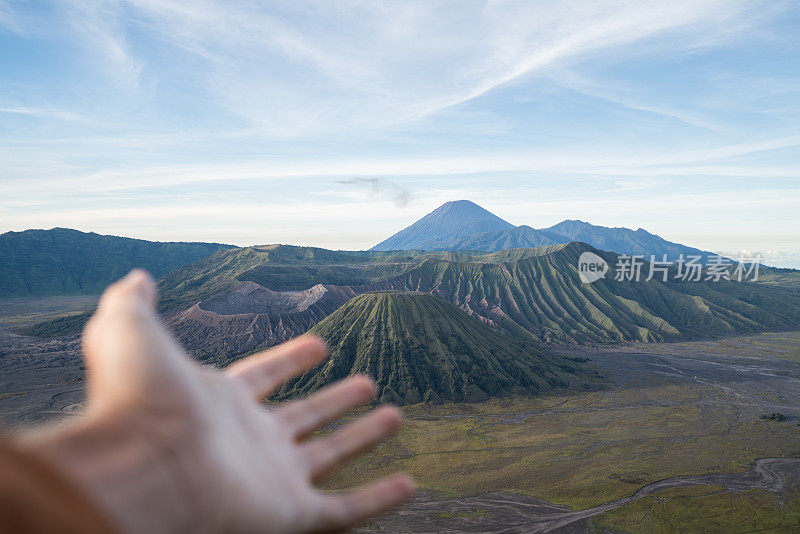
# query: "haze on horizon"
[[338, 124]]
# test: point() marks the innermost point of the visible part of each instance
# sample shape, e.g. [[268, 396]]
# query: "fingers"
[[303, 417], [328, 453], [136, 287], [262, 373], [348, 510]]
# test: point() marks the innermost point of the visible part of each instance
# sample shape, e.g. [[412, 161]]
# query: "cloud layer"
[[233, 119]]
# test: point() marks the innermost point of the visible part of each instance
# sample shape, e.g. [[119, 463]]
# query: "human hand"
[[168, 445]]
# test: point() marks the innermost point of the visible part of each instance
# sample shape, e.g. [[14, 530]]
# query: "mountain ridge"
[[624, 240], [62, 261], [542, 297], [534, 294]]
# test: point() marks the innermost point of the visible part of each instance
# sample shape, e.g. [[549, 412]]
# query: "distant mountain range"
[[68, 262], [61, 261], [624, 240], [463, 225]]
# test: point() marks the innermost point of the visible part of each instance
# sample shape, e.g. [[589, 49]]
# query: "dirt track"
[[507, 513]]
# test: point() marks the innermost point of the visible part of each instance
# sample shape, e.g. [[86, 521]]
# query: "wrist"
[[129, 474]]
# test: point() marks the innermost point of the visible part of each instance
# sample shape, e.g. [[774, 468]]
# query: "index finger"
[[265, 371]]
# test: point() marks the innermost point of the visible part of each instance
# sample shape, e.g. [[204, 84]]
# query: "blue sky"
[[336, 124]]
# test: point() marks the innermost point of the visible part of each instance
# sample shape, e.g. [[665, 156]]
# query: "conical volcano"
[[445, 227], [419, 347]]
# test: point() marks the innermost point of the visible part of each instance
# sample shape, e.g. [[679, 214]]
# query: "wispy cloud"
[[547, 36], [623, 97], [47, 113], [311, 67], [101, 24], [382, 187], [383, 174]]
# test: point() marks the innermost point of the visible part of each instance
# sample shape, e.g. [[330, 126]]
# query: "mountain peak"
[[466, 209], [445, 226], [463, 203]]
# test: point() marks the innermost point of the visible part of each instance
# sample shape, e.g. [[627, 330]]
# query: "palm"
[[247, 468]]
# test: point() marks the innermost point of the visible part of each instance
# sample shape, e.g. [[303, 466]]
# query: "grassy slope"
[[419, 347], [542, 296], [784, 278], [534, 293]]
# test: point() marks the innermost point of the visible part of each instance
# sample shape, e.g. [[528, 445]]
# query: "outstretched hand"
[[169, 445]]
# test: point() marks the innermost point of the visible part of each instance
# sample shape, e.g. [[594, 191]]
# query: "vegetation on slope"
[[542, 297], [418, 347], [779, 277], [533, 293], [279, 268], [68, 262], [513, 238]]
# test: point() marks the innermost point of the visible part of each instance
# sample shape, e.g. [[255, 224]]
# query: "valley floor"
[[26, 311], [674, 443]]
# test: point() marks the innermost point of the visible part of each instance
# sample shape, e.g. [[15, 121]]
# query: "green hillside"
[[779, 277], [418, 347], [279, 268], [68, 262], [542, 297], [532, 293]]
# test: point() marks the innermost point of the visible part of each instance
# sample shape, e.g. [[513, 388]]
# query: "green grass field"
[[23, 312], [579, 450]]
